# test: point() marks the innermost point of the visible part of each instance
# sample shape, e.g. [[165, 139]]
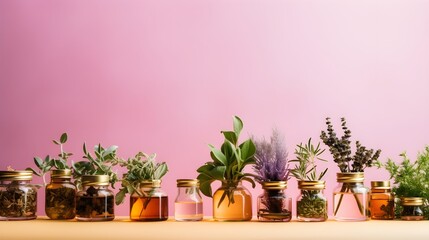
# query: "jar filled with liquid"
[[189, 204], [412, 208], [60, 196], [382, 201], [150, 203]]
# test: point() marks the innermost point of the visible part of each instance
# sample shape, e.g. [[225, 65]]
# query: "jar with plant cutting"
[[148, 202], [350, 195], [382, 201], [311, 204], [232, 201], [272, 172]]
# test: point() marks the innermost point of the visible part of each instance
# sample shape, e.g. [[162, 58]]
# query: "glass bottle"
[[381, 201], [60, 196], [311, 205], [151, 205], [232, 202], [350, 197], [95, 202], [412, 208], [273, 204], [18, 197], [189, 203]]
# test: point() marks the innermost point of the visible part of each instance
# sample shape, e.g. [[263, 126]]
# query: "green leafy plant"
[[49, 163], [411, 179], [228, 163], [142, 167]]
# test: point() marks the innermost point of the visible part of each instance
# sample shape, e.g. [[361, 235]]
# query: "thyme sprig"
[[306, 167]]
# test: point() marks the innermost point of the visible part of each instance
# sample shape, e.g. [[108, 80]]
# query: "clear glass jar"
[[381, 201], [273, 204], [189, 203], [232, 202], [151, 204], [18, 197], [311, 205], [351, 197], [412, 208], [95, 202], [60, 196]]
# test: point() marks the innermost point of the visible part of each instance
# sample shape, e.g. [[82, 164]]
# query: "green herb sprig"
[[306, 167]]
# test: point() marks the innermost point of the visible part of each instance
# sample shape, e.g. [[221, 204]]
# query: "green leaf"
[[63, 138], [34, 171], [84, 149], [230, 136], [238, 125], [120, 196], [39, 162], [160, 171], [248, 149], [205, 184], [217, 173], [205, 168], [218, 155], [55, 142]]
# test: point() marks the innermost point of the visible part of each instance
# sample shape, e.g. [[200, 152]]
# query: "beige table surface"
[[122, 228]]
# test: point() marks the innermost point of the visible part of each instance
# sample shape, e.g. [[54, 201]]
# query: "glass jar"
[[189, 203], [351, 197], [273, 204], [232, 202], [95, 202], [412, 208], [381, 201], [150, 204], [311, 205], [60, 196], [18, 197]]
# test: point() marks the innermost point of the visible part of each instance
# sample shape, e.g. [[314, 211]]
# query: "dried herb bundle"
[[17, 202]]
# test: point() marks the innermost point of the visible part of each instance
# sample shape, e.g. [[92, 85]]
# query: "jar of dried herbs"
[[412, 208], [95, 202], [382, 201], [18, 197], [150, 203], [273, 203], [311, 205], [60, 196]]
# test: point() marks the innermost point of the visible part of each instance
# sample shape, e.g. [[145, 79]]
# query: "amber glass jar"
[[273, 204], [95, 202], [382, 201], [351, 197], [189, 203], [60, 196], [18, 197], [152, 205], [412, 208], [237, 207], [311, 205]]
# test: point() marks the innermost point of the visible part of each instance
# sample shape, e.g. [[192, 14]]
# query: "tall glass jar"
[[412, 208], [232, 202], [189, 203], [382, 201], [351, 197], [273, 204], [95, 202], [311, 205], [151, 205], [18, 197], [60, 196]]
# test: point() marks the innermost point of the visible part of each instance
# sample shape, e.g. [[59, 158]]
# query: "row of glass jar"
[[95, 202]]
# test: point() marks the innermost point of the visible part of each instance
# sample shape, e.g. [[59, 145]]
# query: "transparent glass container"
[[236, 207], [311, 205], [189, 203], [18, 197], [95, 202], [273, 204], [351, 197], [412, 208], [60, 196], [381, 201], [151, 204]]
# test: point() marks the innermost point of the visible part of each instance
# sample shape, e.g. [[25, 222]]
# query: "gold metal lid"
[[188, 182], [63, 173], [380, 184], [412, 201], [150, 183], [91, 180], [311, 185], [274, 185], [16, 175], [350, 177]]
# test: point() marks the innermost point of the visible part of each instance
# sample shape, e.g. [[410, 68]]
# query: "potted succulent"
[[143, 181], [351, 174], [60, 193], [232, 201], [311, 204], [411, 185], [272, 172]]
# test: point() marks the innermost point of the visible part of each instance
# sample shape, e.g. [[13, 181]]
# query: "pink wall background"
[[166, 76]]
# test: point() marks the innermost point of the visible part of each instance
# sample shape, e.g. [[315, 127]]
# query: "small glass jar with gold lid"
[[311, 205], [95, 202], [60, 196], [189, 203], [150, 203], [381, 201], [412, 208], [273, 204], [18, 197]]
